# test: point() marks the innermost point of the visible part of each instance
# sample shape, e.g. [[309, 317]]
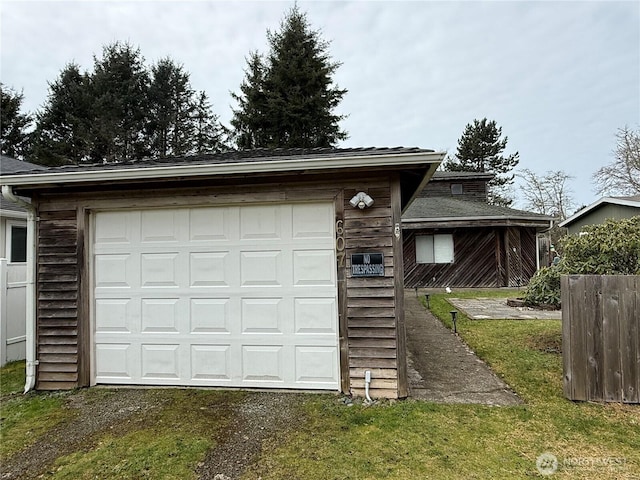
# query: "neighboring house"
[[607, 207], [13, 257], [264, 269], [454, 238]]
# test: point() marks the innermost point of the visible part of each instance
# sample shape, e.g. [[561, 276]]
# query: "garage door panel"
[[261, 268], [228, 296], [162, 226], [314, 316], [116, 229], [312, 221], [115, 362], [313, 267], [210, 315], [160, 361], [316, 365], [261, 363], [210, 225], [210, 269], [113, 314], [114, 271], [261, 222], [211, 362], [160, 315], [262, 315], [159, 269]]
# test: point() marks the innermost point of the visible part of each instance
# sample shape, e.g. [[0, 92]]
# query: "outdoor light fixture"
[[361, 200], [454, 315], [426, 297]]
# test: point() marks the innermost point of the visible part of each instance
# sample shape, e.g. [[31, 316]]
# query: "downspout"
[[31, 362]]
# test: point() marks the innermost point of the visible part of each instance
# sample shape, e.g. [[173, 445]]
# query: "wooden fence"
[[601, 337]]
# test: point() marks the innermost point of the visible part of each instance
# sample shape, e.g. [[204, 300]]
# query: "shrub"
[[611, 248], [544, 287]]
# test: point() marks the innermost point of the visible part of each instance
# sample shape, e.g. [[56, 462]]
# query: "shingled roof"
[[430, 211], [11, 166], [236, 157]]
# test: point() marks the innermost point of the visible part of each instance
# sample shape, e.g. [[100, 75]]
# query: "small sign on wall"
[[367, 265]]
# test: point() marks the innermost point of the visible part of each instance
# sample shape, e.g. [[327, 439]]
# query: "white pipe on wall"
[[31, 361]]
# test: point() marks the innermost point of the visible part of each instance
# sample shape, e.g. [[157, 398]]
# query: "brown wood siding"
[[483, 257], [371, 307], [368, 307], [474, 262], [57, 300], [475, 190], [529, 253]]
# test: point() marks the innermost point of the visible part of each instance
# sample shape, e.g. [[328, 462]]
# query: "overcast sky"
[[559, 77]]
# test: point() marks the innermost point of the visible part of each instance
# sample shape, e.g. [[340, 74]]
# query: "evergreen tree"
[[480, 149], [124, 111], [251, 121], [64, 127], [209, 134], [14, 139], [120, 88], [172, 108], [288, 99]]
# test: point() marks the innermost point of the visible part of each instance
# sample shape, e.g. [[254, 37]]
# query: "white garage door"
[[222, 296]]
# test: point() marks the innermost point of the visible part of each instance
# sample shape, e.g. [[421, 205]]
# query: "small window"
[[18, 244], [456, 189], [434, 248]]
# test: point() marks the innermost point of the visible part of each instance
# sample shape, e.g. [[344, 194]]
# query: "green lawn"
[[389, 440], [412, 439]]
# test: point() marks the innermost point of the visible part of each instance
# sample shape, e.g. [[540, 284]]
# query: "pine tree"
[[251, 121], [14, 138], [120, 88], [172, 107], [63, 131], [209, 134], [288, 98], [480, 150]]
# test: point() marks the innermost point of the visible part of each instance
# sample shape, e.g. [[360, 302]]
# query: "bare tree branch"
[[622, 176], [548, 194]]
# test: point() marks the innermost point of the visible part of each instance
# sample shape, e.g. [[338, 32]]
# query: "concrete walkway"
[[481, 308], [442, 368]]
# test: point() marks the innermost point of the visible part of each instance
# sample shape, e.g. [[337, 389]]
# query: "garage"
[[277, 269], [241, 296]]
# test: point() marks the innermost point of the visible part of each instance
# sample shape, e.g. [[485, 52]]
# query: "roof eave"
[[270, 166], [596, 204], [475, 221]]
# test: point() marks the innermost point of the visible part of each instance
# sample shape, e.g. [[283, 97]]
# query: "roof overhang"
[[139, 173], [475, 222], [611, 200]]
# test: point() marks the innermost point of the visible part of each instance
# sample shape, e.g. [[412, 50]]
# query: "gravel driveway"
[[251, 421]]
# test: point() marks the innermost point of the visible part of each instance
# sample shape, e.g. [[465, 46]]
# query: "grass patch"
[[413, 439], [24, 418], [12, 377], [166, 444]]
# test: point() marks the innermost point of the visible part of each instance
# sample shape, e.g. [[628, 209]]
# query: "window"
[[434, 248], [456, 189], [17, 243]]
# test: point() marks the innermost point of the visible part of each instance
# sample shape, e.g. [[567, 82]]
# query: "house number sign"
[[367, 265]]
